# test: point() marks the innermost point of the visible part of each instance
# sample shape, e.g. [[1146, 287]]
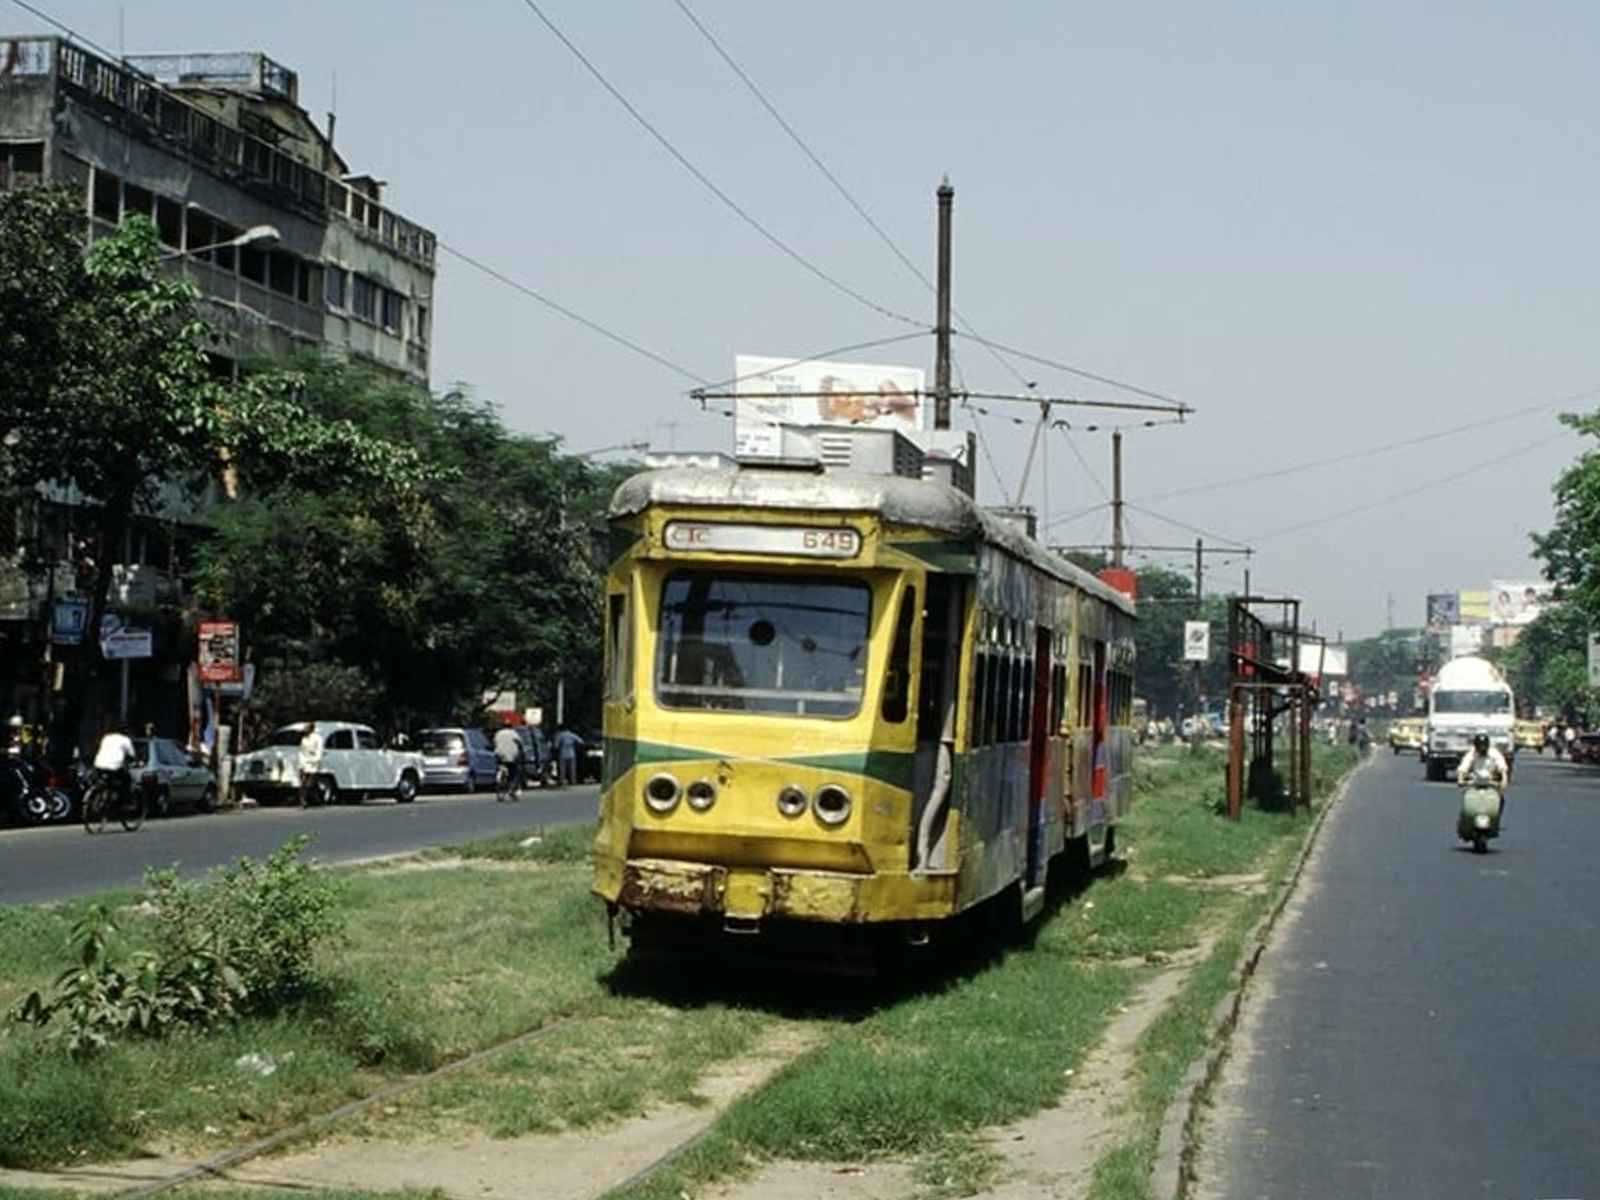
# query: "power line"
[[1412, 491], [1087, 469], [1206, 533], [1351, 456], [1119, 384], [735, 380], [570, 314], [588, 323], [706, 180]]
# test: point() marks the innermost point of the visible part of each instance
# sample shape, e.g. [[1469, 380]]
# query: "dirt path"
[[1050, 1154]]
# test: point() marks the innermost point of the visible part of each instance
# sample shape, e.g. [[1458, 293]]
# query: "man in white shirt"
[[113, 757], [508, 751], [310, 761]]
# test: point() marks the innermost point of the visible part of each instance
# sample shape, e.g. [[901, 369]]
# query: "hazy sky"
[[1329, 228]]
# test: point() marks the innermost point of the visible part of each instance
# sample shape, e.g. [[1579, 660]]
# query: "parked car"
[[354, 766], [174, 777], [459, 759]]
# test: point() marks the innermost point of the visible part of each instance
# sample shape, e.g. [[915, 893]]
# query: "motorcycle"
[[1480, 810], [33, 797]]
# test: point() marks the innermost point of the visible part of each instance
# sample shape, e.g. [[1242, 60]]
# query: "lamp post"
[[259, 236]]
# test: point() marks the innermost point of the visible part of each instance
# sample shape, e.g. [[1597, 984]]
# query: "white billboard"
[[1516, 601], [1465, 639], [774, 392]]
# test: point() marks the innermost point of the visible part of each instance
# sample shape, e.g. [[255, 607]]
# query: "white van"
[[1469, 697]]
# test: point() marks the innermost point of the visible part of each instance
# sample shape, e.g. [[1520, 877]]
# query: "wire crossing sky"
[[1357, 239]]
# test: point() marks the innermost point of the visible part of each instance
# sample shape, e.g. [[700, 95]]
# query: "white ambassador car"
[[355, 765]]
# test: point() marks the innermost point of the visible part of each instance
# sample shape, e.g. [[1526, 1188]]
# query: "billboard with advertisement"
[[1443, 611], [218, 656], [1473, 608], [1465, 639], [778, 391], [1516, 601]]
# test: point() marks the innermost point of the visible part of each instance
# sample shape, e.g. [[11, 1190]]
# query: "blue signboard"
[[68, 621]]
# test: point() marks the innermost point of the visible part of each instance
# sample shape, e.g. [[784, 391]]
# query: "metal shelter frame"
[[1261, 689]]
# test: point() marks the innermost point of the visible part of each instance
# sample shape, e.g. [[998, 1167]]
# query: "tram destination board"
[[800, 541]]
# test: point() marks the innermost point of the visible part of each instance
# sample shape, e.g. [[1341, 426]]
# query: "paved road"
[[58, 862], [1424, 1022]]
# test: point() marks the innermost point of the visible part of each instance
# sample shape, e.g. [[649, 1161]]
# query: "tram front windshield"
[[1471, 702], [762, 644]]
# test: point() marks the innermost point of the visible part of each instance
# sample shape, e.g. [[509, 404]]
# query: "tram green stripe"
[[892, 767], [956, 557]]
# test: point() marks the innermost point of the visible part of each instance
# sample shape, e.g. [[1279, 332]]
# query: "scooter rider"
[[1485, 755]]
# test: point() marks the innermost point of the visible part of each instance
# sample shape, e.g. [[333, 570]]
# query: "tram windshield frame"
[[763, 643]]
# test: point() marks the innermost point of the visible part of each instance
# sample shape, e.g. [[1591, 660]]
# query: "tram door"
[[1038, 756]]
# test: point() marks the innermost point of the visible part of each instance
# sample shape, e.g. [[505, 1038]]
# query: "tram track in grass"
[[923, 1077]]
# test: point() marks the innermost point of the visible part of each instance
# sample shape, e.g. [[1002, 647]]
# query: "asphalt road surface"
[[58, 862], [1424, 1021]]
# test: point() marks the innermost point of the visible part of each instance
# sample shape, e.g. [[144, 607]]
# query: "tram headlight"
[[661, 793], [832, 804], [792, 800], [701, 794]]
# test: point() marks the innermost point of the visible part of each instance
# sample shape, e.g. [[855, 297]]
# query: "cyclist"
[[112, 761], [508, 750]]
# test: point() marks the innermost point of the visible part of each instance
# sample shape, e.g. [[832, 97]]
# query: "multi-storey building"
[[211, 147]]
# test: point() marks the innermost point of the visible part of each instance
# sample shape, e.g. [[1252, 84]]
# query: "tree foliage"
[[459, 570]]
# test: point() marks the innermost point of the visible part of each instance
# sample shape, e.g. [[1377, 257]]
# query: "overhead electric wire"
[[1412, 491], [1119, 384], [1087, 469], [587, 322], [1351, 456], [810, 358], [706, 181], [1231, 543], [570, 314]]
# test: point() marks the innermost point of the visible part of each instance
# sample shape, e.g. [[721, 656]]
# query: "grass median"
[[467, 947], [923, 1079]]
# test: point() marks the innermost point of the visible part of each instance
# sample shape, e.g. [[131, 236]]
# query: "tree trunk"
[[81, 720]]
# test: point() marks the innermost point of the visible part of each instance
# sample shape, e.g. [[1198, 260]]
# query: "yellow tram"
[[842, 705]]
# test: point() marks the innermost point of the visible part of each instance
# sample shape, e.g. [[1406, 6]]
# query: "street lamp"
[[257, 235]]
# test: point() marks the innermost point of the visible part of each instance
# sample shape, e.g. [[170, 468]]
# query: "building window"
[[393, 311], [137, 202], [335, 277], [107, 196], [364, 298], [169, 222], [281, 272], [422, 324], [253, 264]]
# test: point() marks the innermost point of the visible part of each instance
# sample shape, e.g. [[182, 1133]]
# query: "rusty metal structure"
[[1269, 687]]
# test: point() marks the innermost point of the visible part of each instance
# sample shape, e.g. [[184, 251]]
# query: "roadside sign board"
[[127, 643], [218, 657], [1594, 660], [68, 620], [1196, 641]]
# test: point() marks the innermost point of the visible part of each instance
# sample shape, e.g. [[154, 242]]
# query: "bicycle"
[[506, 788], [103, 795]]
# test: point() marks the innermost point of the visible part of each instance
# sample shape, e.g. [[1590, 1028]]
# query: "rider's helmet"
[[1480, 743]]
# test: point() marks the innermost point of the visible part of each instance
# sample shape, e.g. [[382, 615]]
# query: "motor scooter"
[[32, 795], [1480, 810]]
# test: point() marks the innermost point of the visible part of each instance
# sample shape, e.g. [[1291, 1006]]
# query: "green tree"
[[468, 576]]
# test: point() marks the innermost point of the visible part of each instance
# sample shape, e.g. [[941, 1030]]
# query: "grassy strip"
[[923, 1079], [210, 1192], [436, 963], [1183, 1031]]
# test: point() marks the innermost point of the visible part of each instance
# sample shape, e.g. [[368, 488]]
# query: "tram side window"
[[1058, 697], [619, 680], [1025, 704], [1085, 694], [897, 687], [980, 679]]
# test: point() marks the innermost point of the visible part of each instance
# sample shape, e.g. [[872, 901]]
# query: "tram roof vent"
[[1021, 517], [863, 450]]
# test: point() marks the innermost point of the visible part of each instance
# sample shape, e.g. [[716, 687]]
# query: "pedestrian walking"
[[567, 746], [508, 752], [310, 761]]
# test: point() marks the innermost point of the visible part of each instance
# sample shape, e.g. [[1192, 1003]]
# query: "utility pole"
[[1199, 610], [941, 332], [1116, 498], [1199, 572]]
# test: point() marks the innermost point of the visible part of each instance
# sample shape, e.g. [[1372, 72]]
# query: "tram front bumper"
[[701, 889]]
